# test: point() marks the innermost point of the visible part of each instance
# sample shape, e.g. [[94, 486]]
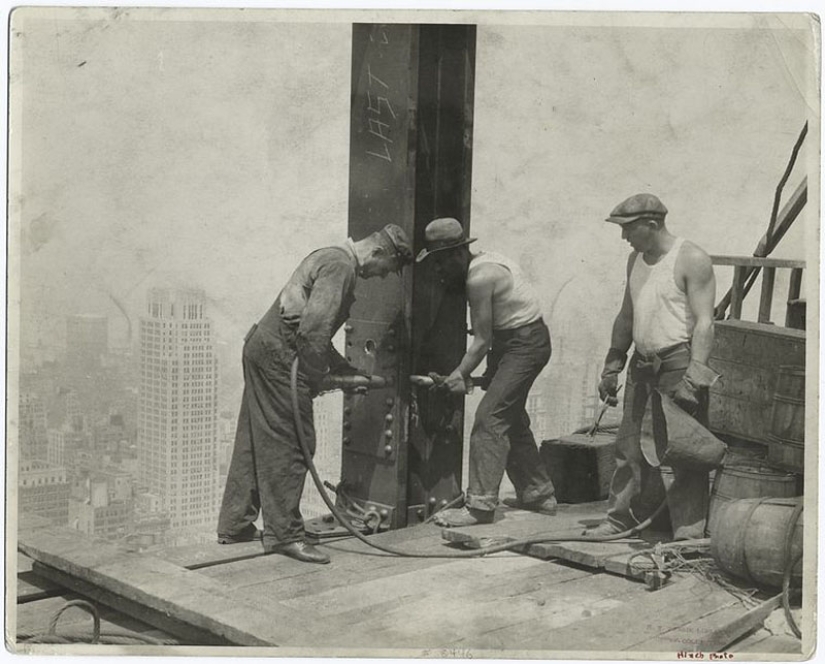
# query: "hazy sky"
[[160, 148]]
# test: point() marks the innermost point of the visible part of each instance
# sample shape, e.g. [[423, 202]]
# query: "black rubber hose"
[[299, 429]]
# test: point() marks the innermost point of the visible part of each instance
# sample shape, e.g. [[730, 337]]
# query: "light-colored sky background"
[[158, 149]]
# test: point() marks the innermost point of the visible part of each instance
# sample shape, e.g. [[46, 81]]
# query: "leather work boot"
[[302, 551], [547, 506], [249, 534]]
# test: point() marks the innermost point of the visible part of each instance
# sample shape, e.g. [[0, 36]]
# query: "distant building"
[[328, 413], [102, 504], [177, 432], [33, 434], [43, 489], [87, 343]]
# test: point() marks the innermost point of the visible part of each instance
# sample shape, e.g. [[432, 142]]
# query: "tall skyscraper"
[[178, 410]]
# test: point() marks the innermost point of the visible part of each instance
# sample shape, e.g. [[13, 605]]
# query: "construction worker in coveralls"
[[268, 469]]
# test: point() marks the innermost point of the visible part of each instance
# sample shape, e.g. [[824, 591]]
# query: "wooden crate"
[[580, 467], [749, 355]]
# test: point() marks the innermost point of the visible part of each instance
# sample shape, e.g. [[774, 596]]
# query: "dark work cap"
[[400, 242], [640, 206]]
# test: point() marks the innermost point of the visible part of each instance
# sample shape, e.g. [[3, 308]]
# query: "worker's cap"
[[400, 242], [640, 206], [441, 234]]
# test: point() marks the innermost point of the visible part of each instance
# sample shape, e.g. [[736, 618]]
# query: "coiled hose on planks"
[[299, 429]]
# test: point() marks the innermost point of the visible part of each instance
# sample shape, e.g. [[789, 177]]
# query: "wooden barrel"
[[736, 481], [786, 439], [750, 540]]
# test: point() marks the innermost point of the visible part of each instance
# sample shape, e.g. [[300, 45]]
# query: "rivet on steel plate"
[[388, 449], [388, 433], [389, 418]]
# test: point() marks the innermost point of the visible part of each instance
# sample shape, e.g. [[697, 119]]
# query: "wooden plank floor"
[[371, 603], [569, 521]]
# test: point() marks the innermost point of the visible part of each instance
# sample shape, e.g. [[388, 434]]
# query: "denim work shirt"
[[314, 304]]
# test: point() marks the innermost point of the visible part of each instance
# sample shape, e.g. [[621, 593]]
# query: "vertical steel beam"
[[410, 156]]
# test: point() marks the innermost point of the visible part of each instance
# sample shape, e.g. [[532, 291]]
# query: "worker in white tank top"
[[508, 330], [667, 313], [514, 302], [662, 317]]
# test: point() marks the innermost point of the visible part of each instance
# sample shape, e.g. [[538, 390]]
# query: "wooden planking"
[[570, 521], [763, 642], [369, 591], [162, 620], [682, 601], [467, 612], [212, 553], [748, 355], [285, 578], [34, 618], [713, 631], [755, 261], [32, 587], [164, 588], [576, 602]]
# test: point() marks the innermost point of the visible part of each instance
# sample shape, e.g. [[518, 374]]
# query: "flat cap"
[[400, 242], [639, 206]]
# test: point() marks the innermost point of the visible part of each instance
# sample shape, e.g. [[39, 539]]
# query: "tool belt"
[[648, 366]]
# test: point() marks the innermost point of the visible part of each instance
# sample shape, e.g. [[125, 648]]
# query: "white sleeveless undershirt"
[[661, 314], [512, 307]]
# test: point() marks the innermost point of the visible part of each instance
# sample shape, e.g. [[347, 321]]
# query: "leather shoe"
[[247, 534], [302, 551], [547, 506]]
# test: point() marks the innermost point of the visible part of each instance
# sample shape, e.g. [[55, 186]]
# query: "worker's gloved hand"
[[609, 389], [698, 376], [609, 384]]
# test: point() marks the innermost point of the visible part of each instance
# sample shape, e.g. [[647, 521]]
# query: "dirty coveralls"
[[637, 488], [268, 469], [501, 438]]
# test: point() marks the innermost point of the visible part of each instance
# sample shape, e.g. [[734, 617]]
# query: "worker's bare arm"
[[622, 335], [696, 271], [481, 286]]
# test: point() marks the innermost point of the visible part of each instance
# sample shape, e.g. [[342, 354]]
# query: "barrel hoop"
[[740, 540], [785, 441], [784, 398], [797, 512]]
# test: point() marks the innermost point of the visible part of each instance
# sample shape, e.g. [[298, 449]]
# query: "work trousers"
[[501, 438], [268, 469], [637, 488]]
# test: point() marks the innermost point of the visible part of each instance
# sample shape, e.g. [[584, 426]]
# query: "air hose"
[[299, 429]]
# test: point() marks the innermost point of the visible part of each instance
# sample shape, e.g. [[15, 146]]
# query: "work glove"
[[609, 384], [698, 376]]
